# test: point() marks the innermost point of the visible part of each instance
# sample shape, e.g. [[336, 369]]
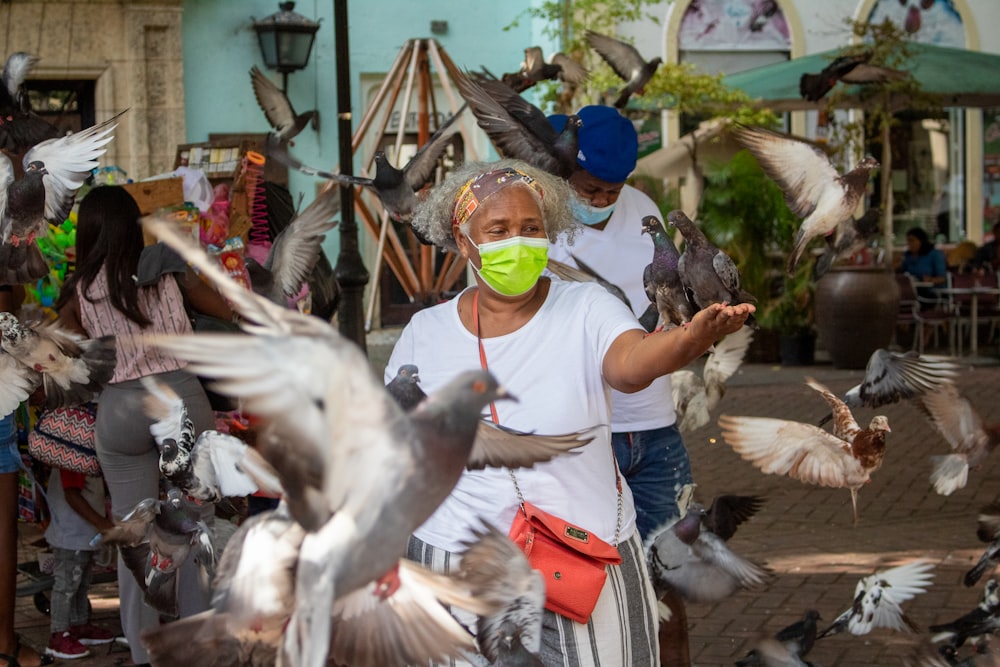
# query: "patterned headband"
[[482, 187]]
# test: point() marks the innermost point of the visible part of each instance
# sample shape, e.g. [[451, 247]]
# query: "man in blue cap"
[[648, 445]]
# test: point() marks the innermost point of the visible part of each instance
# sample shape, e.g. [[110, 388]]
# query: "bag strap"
[[496, 420]]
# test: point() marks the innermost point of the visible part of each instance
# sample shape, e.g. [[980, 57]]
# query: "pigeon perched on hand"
[[53, 171], [984, 620], [20, 127], [854, 237], [518, 128], [363, 473], [72, 369], [813, 189], [685, 556], [892, 376], [696, 397], [396, 188], [295, 250], [808, 453], [792, 643], [988, 532], [709, 275], [278, 110], [627, 63], [662, 277], [849, 69], [206, 467], [877, 600], [961, 426]]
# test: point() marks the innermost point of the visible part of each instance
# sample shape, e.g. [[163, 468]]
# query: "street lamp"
[[286, 38]]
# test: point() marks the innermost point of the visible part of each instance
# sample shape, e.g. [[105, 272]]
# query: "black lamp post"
[[286, 39]]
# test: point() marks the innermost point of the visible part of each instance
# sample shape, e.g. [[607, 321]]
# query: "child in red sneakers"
[[76, 503]]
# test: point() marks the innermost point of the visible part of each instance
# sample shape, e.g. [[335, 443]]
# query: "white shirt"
[[552, 365], [619, 253]]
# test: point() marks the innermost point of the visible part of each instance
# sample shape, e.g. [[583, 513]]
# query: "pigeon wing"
[[723, 362], [69, 161], [953, 416], [500, 446], [844, 425], [728, 512], [225, 453], [6, 178], [273, 102], [295, 250], [802, 171], [17, 382], [890, 377], [419, 171], [623, 58], [570, 70], [166, 409]]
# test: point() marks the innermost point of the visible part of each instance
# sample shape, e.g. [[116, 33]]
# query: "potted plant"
[[791, 314]]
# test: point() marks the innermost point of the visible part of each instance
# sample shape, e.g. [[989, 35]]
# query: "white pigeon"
[[696, 397], [17, 382], [877, 600]]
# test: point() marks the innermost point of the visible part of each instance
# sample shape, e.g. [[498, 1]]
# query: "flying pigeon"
[[685, 556], [877, 600], [709, 275], [396, 188], [961, 426], [206, 467], [367, 473], [984, 620], [20, 127], [988, 532], [518, 128], [808, 453], [253, 596], [535, 69], [17, 382], [72, 368], [405, 387], [892, 376], [728, 512], [662, 277], [813, 189], [696, 397], [854, 236], [295, 250], [53, 171], [792, 642], [278, 109], [849, 69], [627, 63]]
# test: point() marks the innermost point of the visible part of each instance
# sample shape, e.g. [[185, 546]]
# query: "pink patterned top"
[[163, 305]]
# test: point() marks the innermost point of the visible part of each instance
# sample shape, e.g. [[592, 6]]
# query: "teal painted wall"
[[220, 46]]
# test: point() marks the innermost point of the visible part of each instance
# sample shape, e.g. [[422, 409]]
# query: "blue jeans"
[[655, 464], [10, 457]]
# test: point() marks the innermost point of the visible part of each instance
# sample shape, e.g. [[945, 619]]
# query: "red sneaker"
[[89, 634], [64, 645]]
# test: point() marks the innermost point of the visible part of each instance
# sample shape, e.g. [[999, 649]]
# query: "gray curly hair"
[[433, 217]]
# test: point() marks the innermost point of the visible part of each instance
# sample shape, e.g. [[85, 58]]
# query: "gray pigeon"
[[813, 189], [988, 531], [796, 640], [73, 369], [982, 621], [396, 188], [854, 236], [877, 600], [962, 427], [278, 109], [366, 472], [627, 63], [662, 277], [405, 387], [510, 650], [53, 171], [709, 275], [695, 562], [20, 127], [518, 128], [535, 69], [295, 250], [849, 69]]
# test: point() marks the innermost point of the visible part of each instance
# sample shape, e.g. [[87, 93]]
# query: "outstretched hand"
[[712, 323]]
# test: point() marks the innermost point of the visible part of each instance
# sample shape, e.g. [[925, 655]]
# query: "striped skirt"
[[622, 631]]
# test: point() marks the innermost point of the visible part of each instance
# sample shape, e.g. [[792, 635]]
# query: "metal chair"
[[926, 313]]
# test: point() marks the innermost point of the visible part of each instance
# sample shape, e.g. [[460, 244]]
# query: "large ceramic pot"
[[856, 309]]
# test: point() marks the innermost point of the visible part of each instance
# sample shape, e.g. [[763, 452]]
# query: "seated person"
[[924, 262]]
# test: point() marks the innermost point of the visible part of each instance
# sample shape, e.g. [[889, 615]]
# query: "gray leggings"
[[130, 463]]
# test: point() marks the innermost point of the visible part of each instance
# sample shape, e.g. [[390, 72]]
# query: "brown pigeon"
[[535, 69], [961, 426], [627, 63], [813, 189], [849, 69]]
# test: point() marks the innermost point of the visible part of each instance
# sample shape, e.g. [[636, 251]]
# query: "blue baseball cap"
[[608, 143]]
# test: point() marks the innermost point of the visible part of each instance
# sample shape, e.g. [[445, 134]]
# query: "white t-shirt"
[[553, 366], [619, 253]]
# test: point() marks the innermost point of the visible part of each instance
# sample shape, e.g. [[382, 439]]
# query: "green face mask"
[[512, 266]]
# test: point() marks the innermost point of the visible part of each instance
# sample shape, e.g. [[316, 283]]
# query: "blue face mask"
[[589, 215]]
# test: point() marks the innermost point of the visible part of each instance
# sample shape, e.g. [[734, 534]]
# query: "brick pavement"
[[805, 534]]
